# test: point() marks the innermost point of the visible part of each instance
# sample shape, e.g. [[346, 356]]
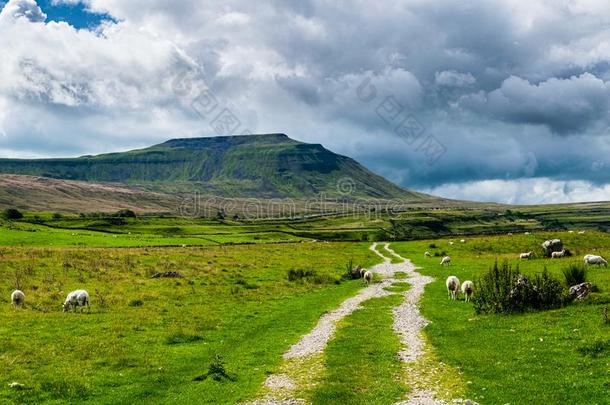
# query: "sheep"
[[368, 277], [453, 287], [510, 234], [446, 261], [527, 255], [462, 240], [450, 243], [467, 289], [77, 297], [427, 254], [527, 233], [558, 255], [581, 232], [362, 272], [17, 298], [594, 259]]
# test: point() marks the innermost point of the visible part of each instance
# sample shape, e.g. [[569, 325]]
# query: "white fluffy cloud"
[[525, 191], [511, 89]]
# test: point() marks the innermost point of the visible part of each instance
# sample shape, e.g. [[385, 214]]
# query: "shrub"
[[574, 274], [125, 213], [311, 276], [11, 214], [136, 303], [56, 215], [216, 370], [299, 274], [505, 290]]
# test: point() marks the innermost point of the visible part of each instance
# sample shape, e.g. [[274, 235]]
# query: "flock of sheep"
[[77, 298], [467, 287]]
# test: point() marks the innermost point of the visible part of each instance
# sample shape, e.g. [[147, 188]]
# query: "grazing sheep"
[[527, 233], [77, 297], [362, 271], [558, 255], [17, 298], [510, 234], [570, 231], [462, 240], [427, 254], [453, 287], [451, 243], [594, 259], [467, 289], [527, 255], [446, 261], [581, 232], [368, 277]]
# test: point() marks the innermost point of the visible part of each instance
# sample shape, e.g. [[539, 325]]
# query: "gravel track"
[[408, 324]]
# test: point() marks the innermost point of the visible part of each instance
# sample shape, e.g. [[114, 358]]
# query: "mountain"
[[265, 166]]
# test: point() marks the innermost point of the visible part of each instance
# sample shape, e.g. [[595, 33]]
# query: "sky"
[[504, 100]]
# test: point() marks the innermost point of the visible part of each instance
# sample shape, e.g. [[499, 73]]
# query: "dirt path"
[[408, 324]]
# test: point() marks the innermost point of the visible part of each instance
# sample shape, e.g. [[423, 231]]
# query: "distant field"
[[558, 356], [104, 230]]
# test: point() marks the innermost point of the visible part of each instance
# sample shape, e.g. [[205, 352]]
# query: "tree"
[[11, 214]]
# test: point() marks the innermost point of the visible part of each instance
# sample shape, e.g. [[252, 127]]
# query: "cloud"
[[511, 89], [525, 191], [564, 105], [28, 9], [451, 78]]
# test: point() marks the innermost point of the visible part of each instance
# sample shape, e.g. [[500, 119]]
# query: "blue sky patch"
[[76, 15]]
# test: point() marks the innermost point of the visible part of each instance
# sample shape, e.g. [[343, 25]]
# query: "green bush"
[[11, 213], [505, 290], [575, 273]]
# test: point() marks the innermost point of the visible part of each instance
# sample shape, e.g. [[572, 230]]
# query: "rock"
[[552, 245], [580, 291]]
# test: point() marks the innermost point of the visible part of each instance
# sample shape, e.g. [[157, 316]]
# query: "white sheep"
[[362, 272], [17, 298], [462, 240], [453, 287], [594, 259], [581, 232], [446, 261], [558, 255], [467, 289], [368, 277], [451, 243], [427, 254], [527, 255], [77, 297], [527, 233]]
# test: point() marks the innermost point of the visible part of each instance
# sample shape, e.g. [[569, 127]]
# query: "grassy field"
[[556, 356], [147, 339], [150, 340]]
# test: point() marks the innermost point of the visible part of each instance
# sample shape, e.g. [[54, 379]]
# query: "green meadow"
[[216, 334]]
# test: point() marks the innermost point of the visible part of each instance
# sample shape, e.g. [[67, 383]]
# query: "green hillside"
[[271, 165]]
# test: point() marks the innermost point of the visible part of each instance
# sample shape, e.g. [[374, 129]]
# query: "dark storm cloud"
[[511, 89]]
